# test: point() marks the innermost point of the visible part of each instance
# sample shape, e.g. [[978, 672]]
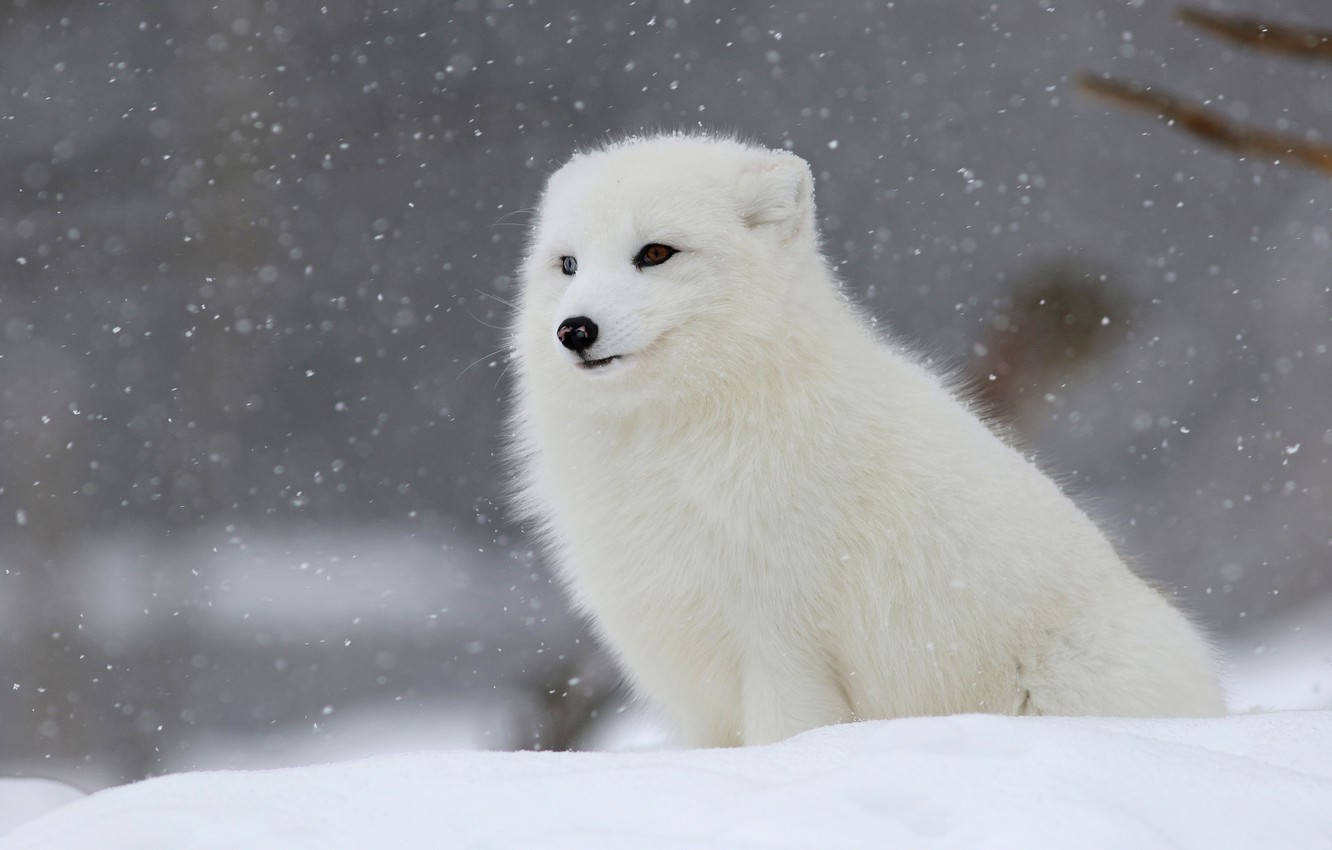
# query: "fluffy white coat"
[[778, 519]]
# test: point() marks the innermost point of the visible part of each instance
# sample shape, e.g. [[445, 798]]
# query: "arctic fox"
[[776, 518]]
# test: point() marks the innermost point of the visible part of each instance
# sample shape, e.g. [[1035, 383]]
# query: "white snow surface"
[[24, 799], [1262, 780], [1285, 663]]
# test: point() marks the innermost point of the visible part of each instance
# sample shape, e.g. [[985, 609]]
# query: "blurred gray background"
[[253, 265]]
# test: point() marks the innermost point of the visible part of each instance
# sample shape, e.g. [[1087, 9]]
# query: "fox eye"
[[654, 254], [568, 265]]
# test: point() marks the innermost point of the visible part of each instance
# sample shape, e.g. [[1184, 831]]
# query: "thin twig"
[[1288, 39], [1208, 124]]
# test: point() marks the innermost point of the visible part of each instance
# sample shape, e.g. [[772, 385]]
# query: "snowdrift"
[[966, 782]]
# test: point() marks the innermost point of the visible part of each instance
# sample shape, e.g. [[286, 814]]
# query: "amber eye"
[[568, 265], [654, 255]]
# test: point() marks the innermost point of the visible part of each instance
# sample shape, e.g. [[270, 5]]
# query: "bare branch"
[[1288, 39], [1208, 124]]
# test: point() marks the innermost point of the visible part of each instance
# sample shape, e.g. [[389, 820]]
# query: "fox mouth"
[[597, 364]]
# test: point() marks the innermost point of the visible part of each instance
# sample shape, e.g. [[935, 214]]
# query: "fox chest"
[[699, 538]]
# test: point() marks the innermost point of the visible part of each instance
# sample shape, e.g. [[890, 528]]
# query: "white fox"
[[776, 518]]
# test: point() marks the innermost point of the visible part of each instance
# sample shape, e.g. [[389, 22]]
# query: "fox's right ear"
[[776, 189]]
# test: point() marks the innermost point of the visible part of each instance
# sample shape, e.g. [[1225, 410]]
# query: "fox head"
[[662, 265]]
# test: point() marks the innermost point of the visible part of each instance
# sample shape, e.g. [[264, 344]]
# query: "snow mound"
[[24, 799], [971, 781]]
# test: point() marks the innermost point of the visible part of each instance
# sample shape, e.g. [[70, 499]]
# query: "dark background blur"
[[253, 265]]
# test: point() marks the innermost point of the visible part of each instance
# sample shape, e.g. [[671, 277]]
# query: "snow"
[[1285, 663], [301, 363], [1214, 783], [970, 781], [24, 799]]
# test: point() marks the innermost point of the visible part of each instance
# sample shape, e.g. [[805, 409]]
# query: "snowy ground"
[[1256, 780], [971, 781], [1284, 664], [24, 799]]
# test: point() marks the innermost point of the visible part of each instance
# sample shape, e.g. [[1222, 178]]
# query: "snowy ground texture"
[[1262, 780]]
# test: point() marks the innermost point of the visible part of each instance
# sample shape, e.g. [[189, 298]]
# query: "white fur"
[[777, 519]]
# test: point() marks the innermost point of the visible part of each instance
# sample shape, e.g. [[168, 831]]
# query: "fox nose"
[[577, 333]]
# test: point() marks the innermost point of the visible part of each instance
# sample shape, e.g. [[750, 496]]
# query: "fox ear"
[[777, 189]]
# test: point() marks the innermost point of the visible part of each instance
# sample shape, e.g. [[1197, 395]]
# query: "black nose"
[[577, 333]]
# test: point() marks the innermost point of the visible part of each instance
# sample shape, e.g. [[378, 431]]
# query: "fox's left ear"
[[776, 189]]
